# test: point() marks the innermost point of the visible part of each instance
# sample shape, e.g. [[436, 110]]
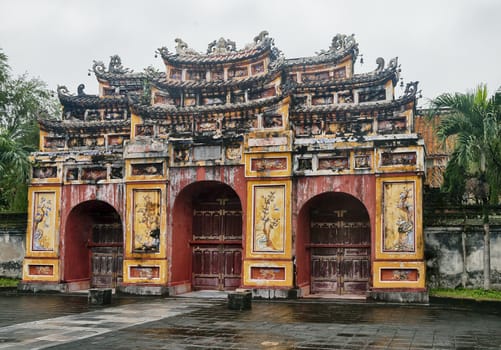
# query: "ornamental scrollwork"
[[393, 65], [62, 90], [380, 64], [411, 88]]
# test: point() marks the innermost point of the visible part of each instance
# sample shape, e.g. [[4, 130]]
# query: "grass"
[[460, 293], [8, 282]]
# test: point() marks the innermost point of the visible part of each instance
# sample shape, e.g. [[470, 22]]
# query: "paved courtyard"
[[68, 322]]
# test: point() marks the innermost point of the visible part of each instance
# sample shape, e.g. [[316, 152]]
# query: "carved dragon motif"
[[115, 66], [221, 46], [341, 42]]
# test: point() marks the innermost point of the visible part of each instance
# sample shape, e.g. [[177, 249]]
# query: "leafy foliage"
[[22, 99], [474, 120]]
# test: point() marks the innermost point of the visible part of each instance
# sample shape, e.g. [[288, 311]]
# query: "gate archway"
[[213, 229], [339, 244], [93, 245]]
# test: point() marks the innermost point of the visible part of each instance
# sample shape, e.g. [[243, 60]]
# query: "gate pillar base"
[[99, 296], [240, 300], [418, 297]]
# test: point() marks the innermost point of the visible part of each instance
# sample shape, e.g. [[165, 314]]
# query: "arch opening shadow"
[[207, 237], [93, 245], [335, 232]]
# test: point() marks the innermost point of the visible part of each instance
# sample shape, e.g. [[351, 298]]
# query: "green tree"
[[473, 119], [22, 99]]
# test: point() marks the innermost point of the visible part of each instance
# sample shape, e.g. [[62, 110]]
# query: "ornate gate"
[[217, 243], [106, 255], [339, 247]]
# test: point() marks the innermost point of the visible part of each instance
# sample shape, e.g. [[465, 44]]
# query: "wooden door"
[[106, 255], [339, 251], [217, 244]]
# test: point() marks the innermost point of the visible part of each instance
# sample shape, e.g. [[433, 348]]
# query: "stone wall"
[[454, 256], [454, 244], [12, 244]]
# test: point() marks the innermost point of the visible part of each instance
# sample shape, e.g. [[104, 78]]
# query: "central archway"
[[211, 213], [337, 235], [93, 245]]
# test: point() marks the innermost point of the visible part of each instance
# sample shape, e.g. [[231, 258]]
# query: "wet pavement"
[[68, 322]]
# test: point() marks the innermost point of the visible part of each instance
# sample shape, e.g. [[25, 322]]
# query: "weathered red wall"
[[185, 183], [76, 222], [362, 187]]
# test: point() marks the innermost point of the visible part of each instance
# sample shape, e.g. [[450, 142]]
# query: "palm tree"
[[473, 119]]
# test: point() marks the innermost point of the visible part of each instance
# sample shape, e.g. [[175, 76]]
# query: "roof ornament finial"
[[221, 46], [261, 37], [341, 42], [393, 64], [62, 90], [183, 49], [380, 64], [411, 88], [80, 90], [115, 66]]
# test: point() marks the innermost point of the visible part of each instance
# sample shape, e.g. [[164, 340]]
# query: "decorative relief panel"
[[399, 216], [144, 130], [44, 172], [362, 161], [146, 220], [233, 152], [257, 68], [393, 126], [94, 174], [399, 274], [269, 165], [267, 273], [41, 270], [333, 163], [44, 221], [398, 158], [144, 272], [150, 169], [268, 219]]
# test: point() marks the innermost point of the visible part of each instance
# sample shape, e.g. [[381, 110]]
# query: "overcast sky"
[[447, 45]]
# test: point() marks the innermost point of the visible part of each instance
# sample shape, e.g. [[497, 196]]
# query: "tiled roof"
[[353, 107], [74, 125], [164, 83], [83, 100], [219, 51], [358, 80], [162, 110]]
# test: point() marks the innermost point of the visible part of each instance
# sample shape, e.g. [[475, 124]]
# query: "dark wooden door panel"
[[339, 250], [107, 265], [217, 247]]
